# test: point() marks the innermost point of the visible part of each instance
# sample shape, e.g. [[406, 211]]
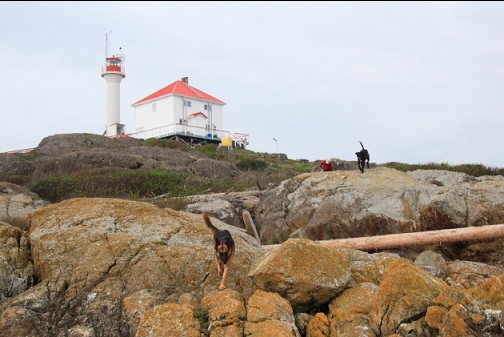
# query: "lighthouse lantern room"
[[113, 73]]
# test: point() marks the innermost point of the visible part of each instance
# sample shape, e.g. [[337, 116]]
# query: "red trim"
[[181, 89], [197, 113]]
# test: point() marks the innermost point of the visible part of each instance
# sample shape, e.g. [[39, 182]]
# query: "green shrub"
[[129, 184], [212, 151], [27, 155], [109, 183], [475, 170], [168, 143], [15, 179], [250, 164], [294, 165], [201, 314]]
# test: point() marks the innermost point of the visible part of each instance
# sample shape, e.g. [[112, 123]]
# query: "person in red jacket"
[[325, 165]]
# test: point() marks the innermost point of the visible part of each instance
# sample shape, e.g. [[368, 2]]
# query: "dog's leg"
[[227, 267], [218, 263]]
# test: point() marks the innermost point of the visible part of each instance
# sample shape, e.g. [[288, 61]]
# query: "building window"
[[182, 121], [187, 104], [206, 107], [153, 107]]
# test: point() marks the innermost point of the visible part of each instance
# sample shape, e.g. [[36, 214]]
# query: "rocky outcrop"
[[93, 257], [268, 314], [228, 207], [16, 269], [16, 201], [64, 154], [295, 271], [341, 165], [110, 267], [15, 166], [346, 204]]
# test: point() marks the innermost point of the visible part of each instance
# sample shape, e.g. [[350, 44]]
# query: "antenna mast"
[[106, 42]]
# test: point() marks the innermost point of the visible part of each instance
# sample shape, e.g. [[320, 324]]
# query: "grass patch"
[[294, 165], [201, 314], [130, 184], [475, 170], [168, 143], [109, 183], [15, 179], [27, 156], [212, 151], [251, 164]]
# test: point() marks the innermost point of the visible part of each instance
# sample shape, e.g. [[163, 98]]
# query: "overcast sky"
[[416, 82]]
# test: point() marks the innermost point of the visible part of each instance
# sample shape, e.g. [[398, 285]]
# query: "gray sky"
[[416, 82]]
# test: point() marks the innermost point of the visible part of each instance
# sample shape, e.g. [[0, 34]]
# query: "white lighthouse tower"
[[113, 73]]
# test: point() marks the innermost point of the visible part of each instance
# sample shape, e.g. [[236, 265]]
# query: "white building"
[[179, 109]]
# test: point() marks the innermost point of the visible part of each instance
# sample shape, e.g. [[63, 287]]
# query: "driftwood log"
[[228, 194], [489, 232], [250, 226]]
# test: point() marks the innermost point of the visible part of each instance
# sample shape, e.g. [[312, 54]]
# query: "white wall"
[[146, 119], [170, 110]]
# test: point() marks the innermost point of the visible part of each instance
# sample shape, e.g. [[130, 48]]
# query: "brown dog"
[[224, 250]]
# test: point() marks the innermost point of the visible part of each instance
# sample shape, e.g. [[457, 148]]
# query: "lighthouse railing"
[[190, 130], [115, 69]]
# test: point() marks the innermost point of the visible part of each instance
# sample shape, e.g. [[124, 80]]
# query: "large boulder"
[[16, 202], [269, 314], [346, 204], [404, 293], [168, 320], [226, 312], [94, 256], [304, 272], [219, 208], [16, 269], [349, 312]]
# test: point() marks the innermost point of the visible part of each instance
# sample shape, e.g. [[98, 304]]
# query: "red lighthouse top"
[[114, 64]]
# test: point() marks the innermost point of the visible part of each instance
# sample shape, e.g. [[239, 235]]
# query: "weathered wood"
[[250, 226], [489, 232], [228, 194]]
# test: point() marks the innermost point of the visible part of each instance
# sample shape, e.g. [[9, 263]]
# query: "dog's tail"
[[361, 144], [208, 223]]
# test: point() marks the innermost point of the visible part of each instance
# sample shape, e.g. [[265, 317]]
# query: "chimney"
[[185, 80]]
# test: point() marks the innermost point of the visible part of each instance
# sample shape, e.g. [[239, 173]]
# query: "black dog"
[[224, 250], [362, 157]]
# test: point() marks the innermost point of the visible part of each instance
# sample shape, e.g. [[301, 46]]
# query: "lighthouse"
[[113, 73]]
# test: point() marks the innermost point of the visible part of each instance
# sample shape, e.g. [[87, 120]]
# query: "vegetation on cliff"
[[259, 169]]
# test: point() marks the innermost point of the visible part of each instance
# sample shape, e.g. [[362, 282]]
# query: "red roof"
[[196, 114], [181, 89]]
